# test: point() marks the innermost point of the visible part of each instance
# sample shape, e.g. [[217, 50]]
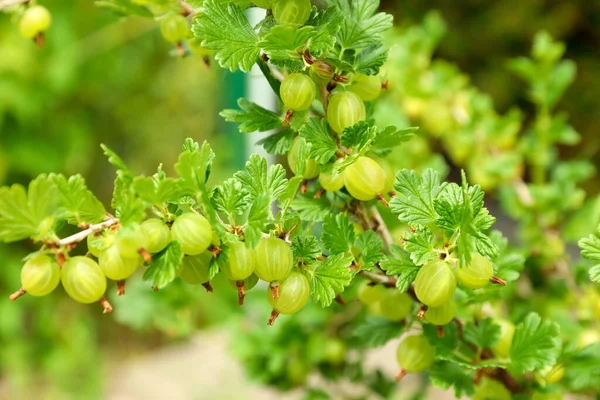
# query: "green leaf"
[[584, 369], [158, 192], [193, 166], [413, 202], [362, 25], [165, 266], [371, 249], [252, 117], [306, 248], [338, 233], [79, 203], [359, 137], [419, 244], [279, 142], [329, 277], [224, 28], [323, 145], [125, 7], [284, 42], [328, 23], [369, 60], [446, 375], [376, 331], [590, 247], [257, 179], [389, 138], [230, 198], [311, 209], [484, 334], [401, 266], [536, 344], [257, 216]]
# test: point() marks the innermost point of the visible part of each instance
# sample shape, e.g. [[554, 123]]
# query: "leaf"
[[230, 198], [252, 117], [446, 375], [306, 248], [328, 23], [323, 145], [224, 28], [284, 42], [413, 202], [79, 203], [279, 142], [338, 233], [376, 331], [401, 266], [536, 344], [359, 137], [371, 249], [158, 192], [257, 179], [590, 247], [389, 138], [329, 277], [484, 335], [369, 60], [362, 25], [420, 245], [124, 7], [257, 216], [193, 166], [165, 266], [311, 209]]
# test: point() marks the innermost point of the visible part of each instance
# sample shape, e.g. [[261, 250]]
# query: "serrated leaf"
[[323, 144], [484, 334], [279, 142], [402, 267], [224, 28], [193, 166], [376, 331], [328, 24], [419, 244], [165, 266], [536, 344], [257, 216], [447, 375], [258, 179], [329, 278], [338, 233], [252, 117], [359, 137], [390, 137], [371, 248], [369, 60], [413, 202], [284, 42], [590, 247], [362, 25], [306, 248], [158, 192], [311, 209], [230, 198], [79, 203]]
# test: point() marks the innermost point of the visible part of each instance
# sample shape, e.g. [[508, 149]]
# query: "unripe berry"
[[345, 109], [321, 72], [312, 169], [364, 179], [297, 91], [36, 19], [291, 12]]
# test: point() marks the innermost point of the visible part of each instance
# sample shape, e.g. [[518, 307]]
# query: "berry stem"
[[17, 294], [440, 331], [108, 308], [288, 116], [180, 49], [422, 310], [497, 281], [389, 281], [304, 186], [319, 193], [241, 292], [145, 255], [338, 299], [275, 289], [273, 317], [382, 199], [121, 288], [401, 374], [208, 287], [39, 39]]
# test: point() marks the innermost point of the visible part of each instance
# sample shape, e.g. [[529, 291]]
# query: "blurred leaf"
[[165, 266], [252, 117], [536, 344], [376, 331]]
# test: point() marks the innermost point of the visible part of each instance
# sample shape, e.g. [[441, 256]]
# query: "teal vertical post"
[[234, 88]]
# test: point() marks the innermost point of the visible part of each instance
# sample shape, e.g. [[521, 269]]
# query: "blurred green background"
[[103, 79]]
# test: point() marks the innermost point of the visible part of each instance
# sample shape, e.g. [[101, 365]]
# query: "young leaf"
[[257, 179], [193, 166], [252, 117], [483, 335], [279, 142], [79, 203], [230, 198], [328, 24], [413, 202], [329, 277], [369, 60], [165, 266], [359, 137], [401, 266], [371, 247], [311, 209], [257, 216], [306, 249], [420, 245], [536, 344], [286, 42], [338, 233], [446, 375], [224, 28], [390, 137], [323, 145], [376, 331], [362, 25], [158, 192]]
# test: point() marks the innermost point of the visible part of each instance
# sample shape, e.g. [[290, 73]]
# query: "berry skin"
[[274, 259], [40, 275], [293, 294], [194, 269], [477, 274], [36, 20], [312, 169], [394, 305], [157, 233], [241, 262], [291, 12], [321, 72], [490, 389], [249, 282], [369, 294], [297, 91], [364, 179], [83, 279], [115, 266], [93, 244], [174, 27], [441, 315], [193, 232], [507, 331], [367, 87], [345, 109], [331, 181], [415, 354], [435, 284], [130, 240]]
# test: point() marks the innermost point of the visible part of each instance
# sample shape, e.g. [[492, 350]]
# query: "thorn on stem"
[[273, 317], [401, 375], [382, 200], [275, 290], [319, 193], [145, 255], [17, 294], [422, 310], [497, 281], [304, 187], [241, 292], [121, 288], [208, 287], [108, 308]]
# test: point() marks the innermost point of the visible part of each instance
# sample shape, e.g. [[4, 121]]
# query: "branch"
[[80, 236], [378, 278], [381, 228]]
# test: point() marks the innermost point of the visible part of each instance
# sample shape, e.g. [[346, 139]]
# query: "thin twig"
[[381, 228], [378, 278], [82, 235]]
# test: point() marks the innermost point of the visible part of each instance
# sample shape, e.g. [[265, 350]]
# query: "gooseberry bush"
[[364, 224]]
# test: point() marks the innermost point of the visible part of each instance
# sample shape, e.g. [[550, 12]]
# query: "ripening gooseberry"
[[507, 331], [369, 294], [115, 265], [297, 91], [83, 279], [312, 169], [40, 275], [97, 244], [477, 273], [441, 315], [415, 354], [35, 20], [131, 240], [435, 283], [321, 72], [367, 87], [174, 27], [395, 305], [364, 179], [266, 4], [291, 12], [194, 269], [332, 181], [274, 259], [249, 282], [193, 232], [157, 233], [240, 262], [293, 294], [345, 109]]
